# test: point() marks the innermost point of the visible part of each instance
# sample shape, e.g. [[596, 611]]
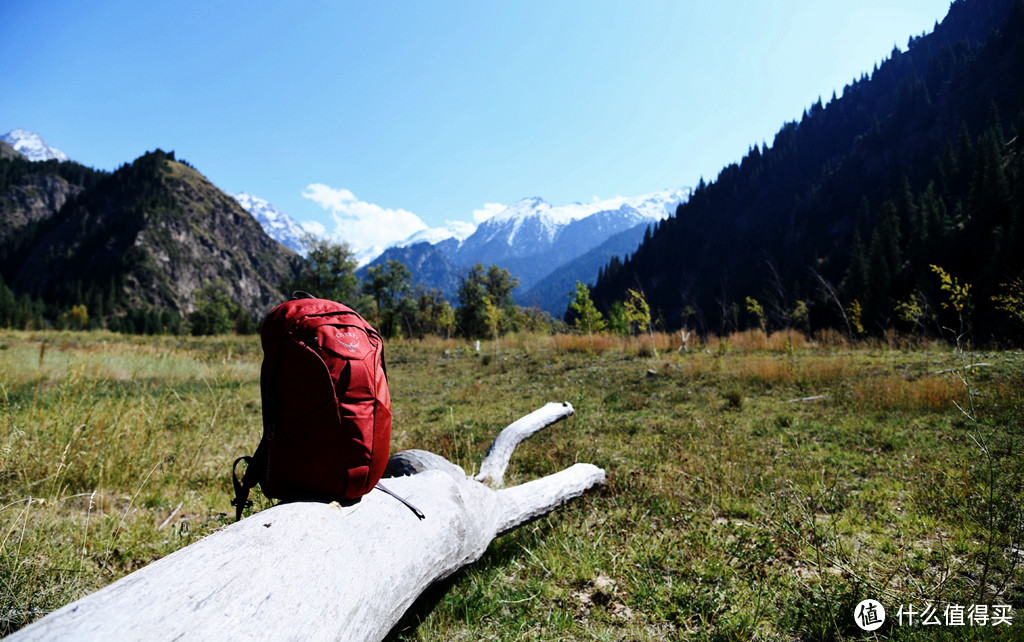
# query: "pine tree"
[[854, 284], [883, 266], [588, 319]]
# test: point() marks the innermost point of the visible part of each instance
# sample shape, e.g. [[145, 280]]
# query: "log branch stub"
[[492, 470], [526, 502], [413, 461]]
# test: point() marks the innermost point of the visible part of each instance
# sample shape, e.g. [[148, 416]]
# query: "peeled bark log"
[[311, 571], [492, 470]]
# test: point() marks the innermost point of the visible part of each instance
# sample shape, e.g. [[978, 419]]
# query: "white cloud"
[[316, 228], [487, 211], [365, 226], [328, 197]]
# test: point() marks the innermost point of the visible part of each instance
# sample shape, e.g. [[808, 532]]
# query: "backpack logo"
[[348, 340]]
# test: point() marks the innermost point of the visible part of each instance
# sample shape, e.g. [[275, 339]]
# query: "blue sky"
[[375, 119]]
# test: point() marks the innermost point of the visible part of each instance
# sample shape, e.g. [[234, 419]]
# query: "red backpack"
[[326, 406]]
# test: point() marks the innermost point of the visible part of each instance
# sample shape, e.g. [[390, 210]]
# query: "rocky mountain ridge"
[[274, 222], [150, 236]]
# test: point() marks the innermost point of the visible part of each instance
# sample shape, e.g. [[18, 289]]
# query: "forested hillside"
[[138, 249], [839, 221]]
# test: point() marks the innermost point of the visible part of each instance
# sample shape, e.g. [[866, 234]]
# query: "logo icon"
[[348, 340], [869, 615]]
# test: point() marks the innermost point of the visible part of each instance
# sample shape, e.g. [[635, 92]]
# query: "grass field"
[[758, 487]]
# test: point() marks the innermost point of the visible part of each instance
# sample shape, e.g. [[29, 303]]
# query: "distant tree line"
[[390, 301], [97, 310]]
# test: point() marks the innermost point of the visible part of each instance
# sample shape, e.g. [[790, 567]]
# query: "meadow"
[[759, 487]]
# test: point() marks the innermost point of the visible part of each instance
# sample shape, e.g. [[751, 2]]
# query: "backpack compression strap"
[[241, 500], [415, 510], [243, 486]]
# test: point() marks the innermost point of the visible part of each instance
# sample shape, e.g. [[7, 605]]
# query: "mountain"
[[532, 226], [532, 238], [429, 264], [276, 223], [919, 164], [144, 240], [32, 146], [6, 151], [31, 192], [551, 293], [455, 230]]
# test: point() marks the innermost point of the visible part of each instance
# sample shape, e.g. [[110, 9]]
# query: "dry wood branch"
[[804, 399], [492, 470], [312, 571]]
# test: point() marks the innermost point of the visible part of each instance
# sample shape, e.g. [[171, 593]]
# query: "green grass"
[[730, 511]]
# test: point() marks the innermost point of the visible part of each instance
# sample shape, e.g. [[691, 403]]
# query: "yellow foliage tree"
[[1012, 298]]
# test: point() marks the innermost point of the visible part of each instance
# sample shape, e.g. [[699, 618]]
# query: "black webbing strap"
[[415, 510], [242, 487]]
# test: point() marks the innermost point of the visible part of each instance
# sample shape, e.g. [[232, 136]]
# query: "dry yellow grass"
[[633, 345], [895, 392]]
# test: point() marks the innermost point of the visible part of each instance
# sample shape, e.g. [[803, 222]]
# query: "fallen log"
[[317, 571], [803, 399]]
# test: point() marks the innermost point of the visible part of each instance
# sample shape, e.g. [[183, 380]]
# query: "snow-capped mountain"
[[365, 256], [532, 239], [533, 218], [281, 227], [457, 230], [656, 205], [517, 230], [32, 146], [532, 225]]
